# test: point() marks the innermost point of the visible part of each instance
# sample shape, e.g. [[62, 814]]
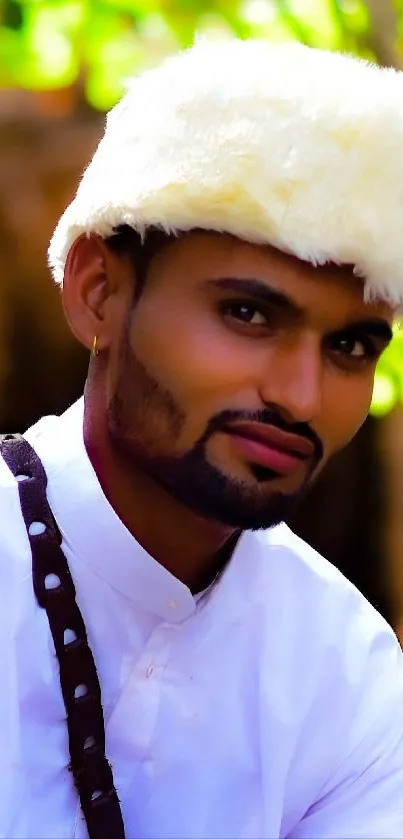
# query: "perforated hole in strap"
[[55, 592]]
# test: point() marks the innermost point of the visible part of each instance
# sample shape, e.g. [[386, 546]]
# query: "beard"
[[142, 412]]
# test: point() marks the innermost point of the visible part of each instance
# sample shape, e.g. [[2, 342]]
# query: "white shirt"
[[273, 707]]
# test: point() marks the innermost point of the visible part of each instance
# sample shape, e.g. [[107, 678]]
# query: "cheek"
[[345, 407], [195, 357]]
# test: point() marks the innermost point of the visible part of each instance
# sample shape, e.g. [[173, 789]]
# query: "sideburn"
[[140, 403]]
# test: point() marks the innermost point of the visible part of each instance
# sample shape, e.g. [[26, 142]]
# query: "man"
[[234, 259]]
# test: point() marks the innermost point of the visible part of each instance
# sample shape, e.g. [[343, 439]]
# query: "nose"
[[293, 380]]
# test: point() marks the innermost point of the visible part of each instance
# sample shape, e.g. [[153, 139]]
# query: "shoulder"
[[14, 546], [308, 576], [279, 557], [330, 634], [9, 501], [13, 539], [15, 566], [297, 557], [331, 674]]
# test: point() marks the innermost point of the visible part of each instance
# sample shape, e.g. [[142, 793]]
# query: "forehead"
[[328, 290]]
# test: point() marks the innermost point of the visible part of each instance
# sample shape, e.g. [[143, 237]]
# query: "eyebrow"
[[258, 290]]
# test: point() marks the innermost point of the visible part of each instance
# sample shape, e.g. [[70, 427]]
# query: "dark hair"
[[125, 241]]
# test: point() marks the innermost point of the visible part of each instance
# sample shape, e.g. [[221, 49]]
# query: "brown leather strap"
[[55, 592]]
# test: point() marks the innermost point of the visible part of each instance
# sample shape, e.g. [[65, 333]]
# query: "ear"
[[96, 291]]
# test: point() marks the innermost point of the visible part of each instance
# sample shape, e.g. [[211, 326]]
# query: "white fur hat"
[[278, 144]]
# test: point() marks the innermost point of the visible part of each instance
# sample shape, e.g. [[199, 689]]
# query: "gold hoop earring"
[[95, 350]]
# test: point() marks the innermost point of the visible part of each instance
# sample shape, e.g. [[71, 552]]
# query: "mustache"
[[265, 416]]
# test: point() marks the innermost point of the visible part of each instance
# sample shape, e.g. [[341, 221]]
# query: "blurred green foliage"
[[388, 389], [93, 45], [48, 44]]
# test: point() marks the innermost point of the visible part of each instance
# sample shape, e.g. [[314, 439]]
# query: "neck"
[[193, 549]]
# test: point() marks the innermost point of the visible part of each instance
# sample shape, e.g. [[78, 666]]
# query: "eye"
[[245, 313], [354, 348]]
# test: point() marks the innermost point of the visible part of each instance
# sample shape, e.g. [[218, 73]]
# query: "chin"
[[269, 482]]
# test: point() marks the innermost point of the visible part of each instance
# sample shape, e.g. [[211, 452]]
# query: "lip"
[[274, 438], [269, 447]]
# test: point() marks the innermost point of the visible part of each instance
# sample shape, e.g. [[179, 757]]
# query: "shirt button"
[[149, 671], [172, 604]]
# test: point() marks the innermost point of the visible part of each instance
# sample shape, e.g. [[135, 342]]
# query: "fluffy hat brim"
[[277, 144]]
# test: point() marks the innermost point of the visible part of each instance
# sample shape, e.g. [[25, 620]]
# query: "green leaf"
[[47, 56], [385, 395], [265, 20], [356, 15], [12, 15], [389, 377], [318, 20]]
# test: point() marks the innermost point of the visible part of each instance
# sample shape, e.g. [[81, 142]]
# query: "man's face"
[[238, 373]]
